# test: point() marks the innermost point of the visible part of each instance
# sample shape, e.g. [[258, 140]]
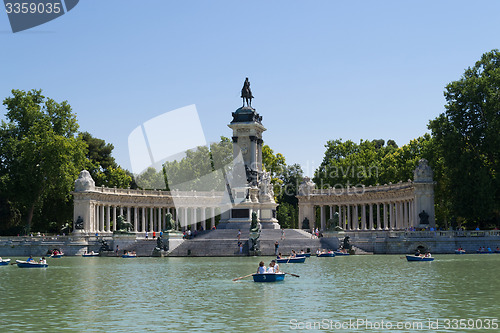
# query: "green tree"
[[40, 154], [467, 137], [102, 165]]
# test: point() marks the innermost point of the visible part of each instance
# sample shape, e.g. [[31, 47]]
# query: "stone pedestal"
[[172, 239]]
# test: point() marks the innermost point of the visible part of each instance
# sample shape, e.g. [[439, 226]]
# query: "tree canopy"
[[40, 154], [467, 137]]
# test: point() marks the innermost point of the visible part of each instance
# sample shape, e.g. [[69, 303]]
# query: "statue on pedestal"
[[122, 226], [170, 223], [246, 93], [253, 240]]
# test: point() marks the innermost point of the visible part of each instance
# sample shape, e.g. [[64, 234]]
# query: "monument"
[[254, 194]]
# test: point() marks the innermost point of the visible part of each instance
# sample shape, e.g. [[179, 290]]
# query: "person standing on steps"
[[276, 246]]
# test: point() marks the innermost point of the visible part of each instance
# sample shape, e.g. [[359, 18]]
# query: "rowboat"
[[128, 255], [327, 254], [4, 262], [307, 255], [30, 264], [340, 253], [268, 277], [291, 260], [59, 255], [459, 251], [418, 258], [91, 254], [484, 251]]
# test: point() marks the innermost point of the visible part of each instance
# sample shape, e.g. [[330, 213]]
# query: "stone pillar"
[[121, 210], [370, 212], [151, 217], [143, 225], [114, 218], [203, 218], [331, 211], [405, 214], [386, 225], [348, 217], [129, 217], [101, 219], [391, 216], [379, 220], [158, 221], [163, 217], [356, 217], [108, 218], [136, 218], [363, 217], [341, 218], [323, 218], [212, 214]]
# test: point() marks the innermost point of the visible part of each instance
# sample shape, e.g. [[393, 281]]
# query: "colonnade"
[[150, 218], [368, 216]]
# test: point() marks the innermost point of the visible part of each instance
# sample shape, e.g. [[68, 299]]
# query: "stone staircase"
[[224, 242]]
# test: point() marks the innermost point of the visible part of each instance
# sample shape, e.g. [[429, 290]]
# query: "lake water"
[[77, 294]]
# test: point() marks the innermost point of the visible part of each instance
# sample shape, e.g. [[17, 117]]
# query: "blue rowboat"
[[328, 254], [340, 253], [4, 262], [307, 255], [30, 264], [459, 251], [291, 260], [417, 258], [129, 255], [268, 277], [484, 252]]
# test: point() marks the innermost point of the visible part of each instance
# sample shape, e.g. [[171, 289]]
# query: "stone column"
[[114, 217], [356, 217], [363, 217], [136, 218], [121, 210], [108, 219], [143, 225], [379, 220], [151, 217], [158, 225], [386, 225], [101, 219], [370, 212], [331, 211], [391, 215], [348, 207], [129, 218], [203, 218], [212, 213], [323, 218], [195, 218], [341, 218]]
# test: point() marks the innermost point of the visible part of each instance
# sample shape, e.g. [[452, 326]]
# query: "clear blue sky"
[[319, 70]]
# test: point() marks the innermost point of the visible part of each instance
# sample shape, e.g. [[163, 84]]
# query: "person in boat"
[[294, 254], [276, 266], [427, 255], [271, 268], [417, 253], [42, 261], [497, 249], [261, 269], [30, 259], [279, 256]]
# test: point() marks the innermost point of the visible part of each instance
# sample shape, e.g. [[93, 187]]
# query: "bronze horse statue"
[[246, 93]]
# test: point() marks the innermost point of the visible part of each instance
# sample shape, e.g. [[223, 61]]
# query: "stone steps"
[[224, 242]]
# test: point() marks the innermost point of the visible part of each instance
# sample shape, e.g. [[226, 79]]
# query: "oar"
[[242, 277], [292, 274]]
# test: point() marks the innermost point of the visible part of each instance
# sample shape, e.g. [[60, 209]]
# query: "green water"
[[77, 294]]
